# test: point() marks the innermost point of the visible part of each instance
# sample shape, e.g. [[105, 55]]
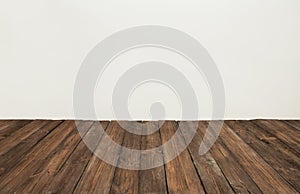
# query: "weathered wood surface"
[[260, 156]]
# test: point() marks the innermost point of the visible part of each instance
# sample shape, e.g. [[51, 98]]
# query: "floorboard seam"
[[284, 179], [163, 152], [267, 131], [192, 159], [117, 164], [234, 158], [85, 168]]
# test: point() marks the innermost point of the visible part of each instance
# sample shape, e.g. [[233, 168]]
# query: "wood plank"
[[3, 122], [12, 157], [44, 174], [9, 127], [268, 180], [127, 181], [181, 174], [21, 134], [246, 158], [36, 157], [74, 167], [282, 131], [283, 159], [238, 178], [294, 123], [13, 124], [211, 175], [98, 175], [152, 180], [95, 134]]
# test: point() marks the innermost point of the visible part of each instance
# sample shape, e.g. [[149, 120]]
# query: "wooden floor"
[[260, 156]]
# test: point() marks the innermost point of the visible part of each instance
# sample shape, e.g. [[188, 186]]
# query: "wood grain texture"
[[12, 157], [39, 181], [263, 174], [8, 127], [131, 185], [293, 123], [287, 134], [234, 172], [35, 157], [98, 176], [41, 156], [273, 151], [210, 173], [152, 180], [181, 173]]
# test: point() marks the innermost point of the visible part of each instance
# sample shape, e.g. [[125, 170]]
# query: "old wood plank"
[[3, 122], [125, 180], [268, 180], [74, 166], [282, 131], [12, 157], [293, 123], [98, 175], [211, 175], [10, 128], [250, 158], [21, 134], [283, 159], [36, 156], [152, 180], [43, 175], [181, 174], [238, 178]]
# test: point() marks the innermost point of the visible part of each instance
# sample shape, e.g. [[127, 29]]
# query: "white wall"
[[254, 43]]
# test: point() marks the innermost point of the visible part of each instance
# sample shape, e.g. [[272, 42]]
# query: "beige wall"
[[254, 43]]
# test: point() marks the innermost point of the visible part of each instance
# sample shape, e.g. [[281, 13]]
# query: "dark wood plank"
[[282, 131], [268, 180], [35, 157], [181, 174], [152, 180], [21, 134], [127, 181], [211, 175], [12, 124], [98, 175], [238, 178], [48, 170], [284, 160], [74, 166], [12, 157], [3, 122], [50, 157], [9, 127], [294, 123], [84, 184]]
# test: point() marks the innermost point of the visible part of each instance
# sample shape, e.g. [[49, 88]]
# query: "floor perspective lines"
[[43, 156]]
